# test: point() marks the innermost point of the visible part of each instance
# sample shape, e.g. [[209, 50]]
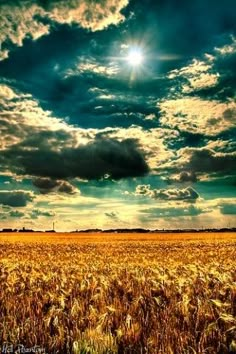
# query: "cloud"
[[203, 161], [18, 20], [47, 185], [112, 215], [105, 96], [150, 214], [206, 160], [211, 76], [196, 76], [143, 189], [15, 214], [93, 67], [5, 214], [22, 119], [32, 18], [202, 99], [93, 15], [36, 213], [183, 177], [31, 136], [17, 198], [186, 194], [87, 124], [153, 142], [230, 114], [196, 115], [6, 93], [66, 187], [91, 161]]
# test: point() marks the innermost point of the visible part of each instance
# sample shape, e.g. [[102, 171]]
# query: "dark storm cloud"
[[92, 161], [48, 185], [187, 177], [15, 198], [45, 185], [66, 187], [205, 160]]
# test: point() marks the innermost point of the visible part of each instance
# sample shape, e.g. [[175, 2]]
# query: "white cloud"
[[90, 65], [227, 49], [6, 93], [196, 115], [23, 18], [197, 76], [192, 69], [22, 118], [184, 194], [19, 21], [93, 15]]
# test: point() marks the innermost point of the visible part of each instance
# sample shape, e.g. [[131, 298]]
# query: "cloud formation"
[[150, 214], [36, 213], [197, 76], [112, 215], [197, 115], [206, 160], [18, 198], [47, 185], [93, 15], [183, 177], [186, 194], [81, 128], [91, 161], [32, 18]]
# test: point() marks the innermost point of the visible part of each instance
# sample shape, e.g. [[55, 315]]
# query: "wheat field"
[[118, 293]]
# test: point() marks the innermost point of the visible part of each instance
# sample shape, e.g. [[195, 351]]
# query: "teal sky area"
[[117, 114]]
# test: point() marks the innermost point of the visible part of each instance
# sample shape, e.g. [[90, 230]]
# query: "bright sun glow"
[[135, 57]]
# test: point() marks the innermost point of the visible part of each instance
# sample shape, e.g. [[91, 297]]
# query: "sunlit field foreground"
[[112, 293]]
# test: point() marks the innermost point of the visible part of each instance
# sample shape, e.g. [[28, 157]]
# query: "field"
[[118, 293]]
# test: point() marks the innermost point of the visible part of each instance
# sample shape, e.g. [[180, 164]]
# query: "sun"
[[135, 57]]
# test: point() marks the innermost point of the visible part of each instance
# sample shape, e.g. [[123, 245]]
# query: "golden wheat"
[[169, 294]]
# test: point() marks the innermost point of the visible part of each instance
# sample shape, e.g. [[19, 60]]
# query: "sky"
[[117, 114]]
